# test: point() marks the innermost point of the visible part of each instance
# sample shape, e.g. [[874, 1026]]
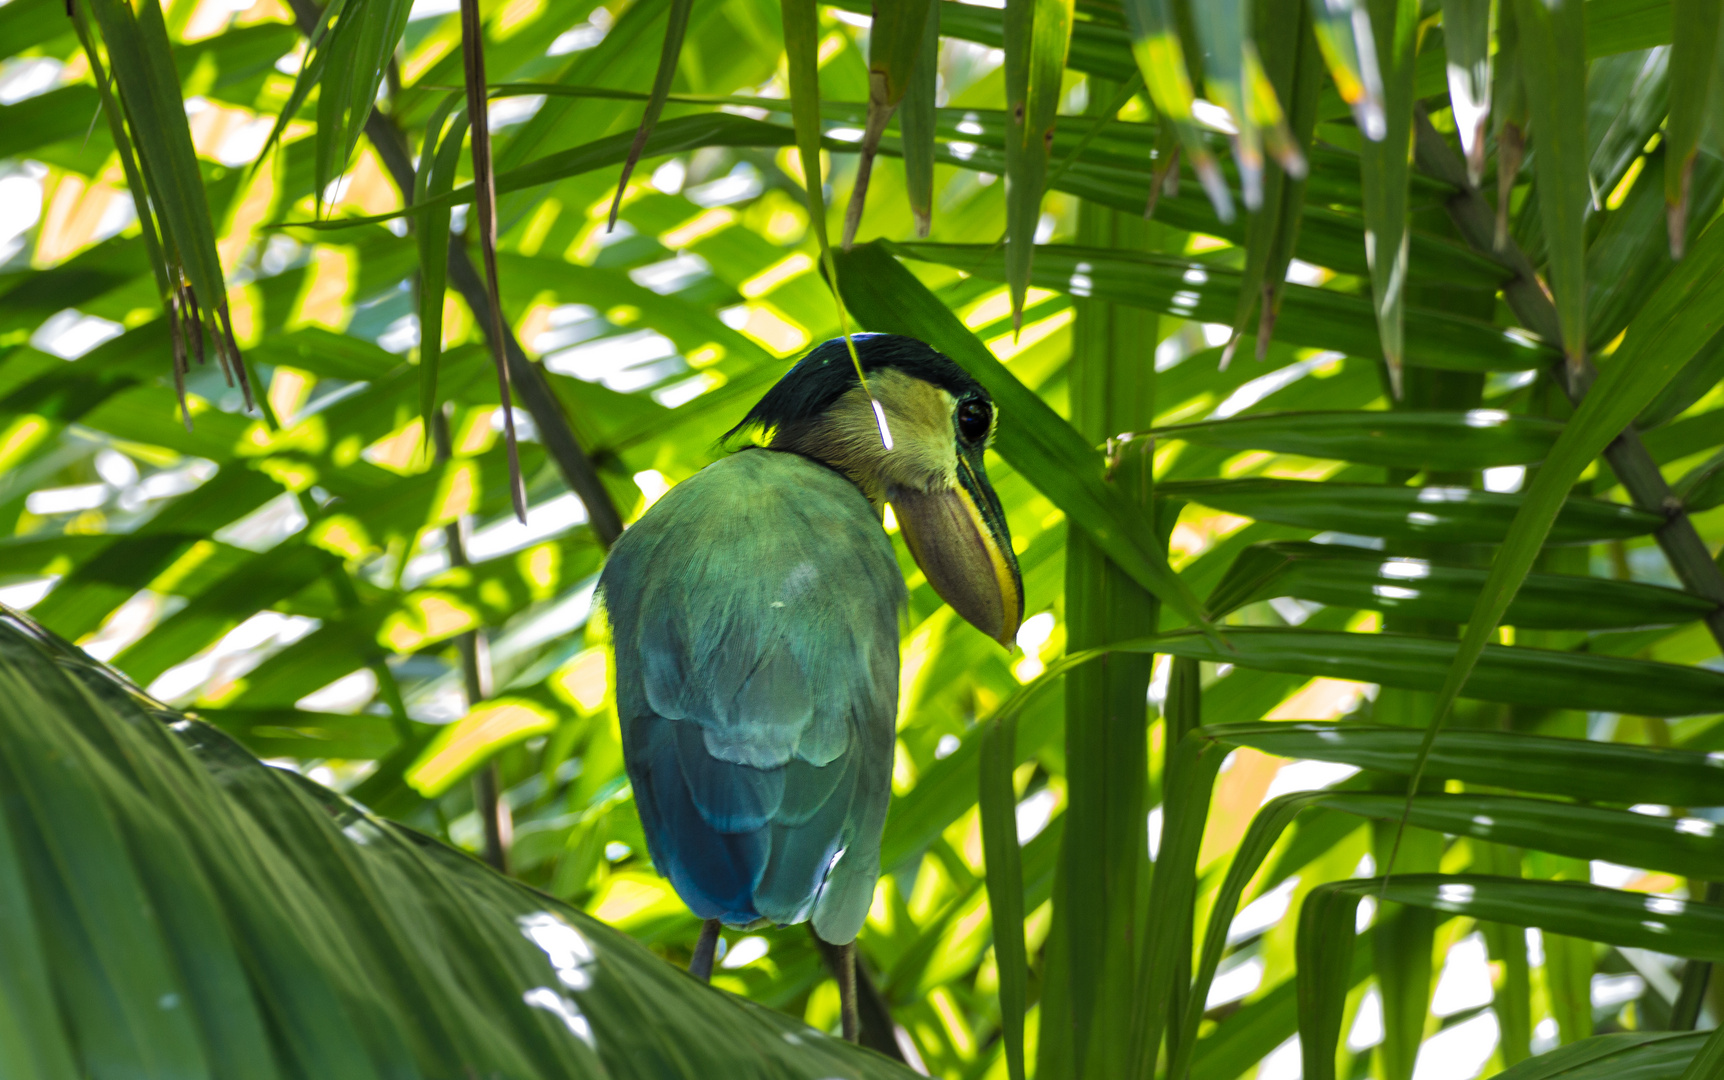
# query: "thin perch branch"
[[879, 1033], [705, 948]]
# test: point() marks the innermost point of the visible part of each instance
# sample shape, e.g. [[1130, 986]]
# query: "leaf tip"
[[1368, 114], [1475, 151], [1511, 147], [1227, 352], [1215, 186]]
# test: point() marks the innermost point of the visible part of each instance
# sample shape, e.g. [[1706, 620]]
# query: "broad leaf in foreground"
[[182, 907]]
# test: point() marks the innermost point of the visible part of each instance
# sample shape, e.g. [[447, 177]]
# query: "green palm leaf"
[[201, 928]]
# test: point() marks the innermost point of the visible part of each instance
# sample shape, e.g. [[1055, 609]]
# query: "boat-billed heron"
[[755, 611]]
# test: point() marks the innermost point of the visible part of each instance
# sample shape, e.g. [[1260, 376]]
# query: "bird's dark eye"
[[974, 418]]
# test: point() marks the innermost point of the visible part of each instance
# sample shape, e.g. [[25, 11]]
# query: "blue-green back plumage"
[[755, 611]]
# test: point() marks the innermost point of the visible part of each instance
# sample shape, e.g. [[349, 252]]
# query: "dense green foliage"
[[1404, 357]]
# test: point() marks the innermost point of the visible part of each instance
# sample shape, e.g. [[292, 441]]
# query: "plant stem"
[[1633, 464]]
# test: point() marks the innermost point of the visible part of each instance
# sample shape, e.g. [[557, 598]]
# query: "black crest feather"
[[825, 374]]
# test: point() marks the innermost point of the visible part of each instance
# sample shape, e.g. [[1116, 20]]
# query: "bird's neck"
[[841, 441], [866, 482]]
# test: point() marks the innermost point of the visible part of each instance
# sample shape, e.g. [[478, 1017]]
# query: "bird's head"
[[928, 466]]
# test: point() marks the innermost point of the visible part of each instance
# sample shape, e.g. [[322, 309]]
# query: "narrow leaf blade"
[[676, 26]]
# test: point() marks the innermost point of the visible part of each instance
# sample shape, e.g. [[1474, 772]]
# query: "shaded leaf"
[[1571, 908], [437, 164], [485, 191], [917, 122], [1005, 877], [1552, 43], [1161, 59], [351, 60], [1625, 1055], [1384, 164], [1694, 44], [1292, 69], [141, 62], [1037, 37], [1467, 47], [367, 949], [1189, 778], [1235, 79], [1658, 344]]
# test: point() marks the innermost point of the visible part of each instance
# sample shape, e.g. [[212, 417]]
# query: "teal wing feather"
[[754, 613]]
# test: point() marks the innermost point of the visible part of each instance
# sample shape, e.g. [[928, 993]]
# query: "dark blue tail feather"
[[715, 873]]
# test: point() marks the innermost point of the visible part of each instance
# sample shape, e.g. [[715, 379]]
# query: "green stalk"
[[1113, 390], [1005, 882], [1188, 781], [1511, 997]]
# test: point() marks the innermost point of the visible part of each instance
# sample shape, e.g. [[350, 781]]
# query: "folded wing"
[[754, 613]]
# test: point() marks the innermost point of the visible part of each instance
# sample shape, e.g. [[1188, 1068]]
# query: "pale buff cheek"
[[919, 417]]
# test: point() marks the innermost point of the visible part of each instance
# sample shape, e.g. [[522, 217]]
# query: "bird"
[[754, 617]]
